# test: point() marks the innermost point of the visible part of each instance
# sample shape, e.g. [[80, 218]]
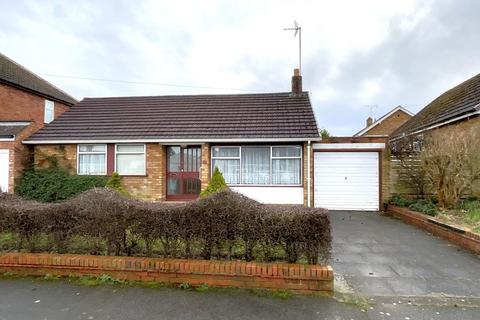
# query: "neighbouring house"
[[458, 109], [386, 125], [165, 147], [27, 103]]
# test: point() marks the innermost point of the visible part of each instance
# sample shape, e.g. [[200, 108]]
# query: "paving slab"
[[381, 256]]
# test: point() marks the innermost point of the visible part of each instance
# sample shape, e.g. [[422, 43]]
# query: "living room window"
[[130, 159], [92, 159], [259, 165]]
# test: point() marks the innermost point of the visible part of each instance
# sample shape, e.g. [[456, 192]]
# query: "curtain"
[[131, 164], [230, 168], [256, 165], [286, 171], [91, 164]]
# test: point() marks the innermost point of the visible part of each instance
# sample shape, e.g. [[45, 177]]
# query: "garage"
[[347, 179]]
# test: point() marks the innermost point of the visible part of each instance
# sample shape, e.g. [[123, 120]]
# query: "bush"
[[216, 184], [424, 206], [400, 201], [56, 184], [224, 225], [115, 183]]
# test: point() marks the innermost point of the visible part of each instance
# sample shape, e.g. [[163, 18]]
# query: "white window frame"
[[271, 164], [91, 152], [48, 105], [144, 153]]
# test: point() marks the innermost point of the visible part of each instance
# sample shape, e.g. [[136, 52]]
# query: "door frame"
[[7, 152], [182, 174], [380, 165]]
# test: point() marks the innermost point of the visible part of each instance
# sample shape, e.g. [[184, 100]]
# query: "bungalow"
[[457, 109], [165, 147], [27, 103]]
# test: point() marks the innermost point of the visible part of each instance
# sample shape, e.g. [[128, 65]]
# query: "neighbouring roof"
[[383, 118], [460, 101], [10, 129], [190, 117], [18, 76]]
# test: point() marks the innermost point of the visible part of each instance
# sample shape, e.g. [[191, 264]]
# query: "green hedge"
[[52, 185]]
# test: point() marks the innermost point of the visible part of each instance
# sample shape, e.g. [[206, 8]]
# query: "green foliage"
[[424, 206], [400, 201], [420, 205], [55, 184], [324, 134], [216, 184], [115, 183]]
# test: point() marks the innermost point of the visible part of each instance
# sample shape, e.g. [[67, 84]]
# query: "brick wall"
[[295, 277], [305, 175], [18, 105], [150, 186], [390, 124], [205, 173]]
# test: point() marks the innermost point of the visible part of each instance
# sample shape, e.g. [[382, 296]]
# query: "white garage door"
[[3, 170], [346, 180]]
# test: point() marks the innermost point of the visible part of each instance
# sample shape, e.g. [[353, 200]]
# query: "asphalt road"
[[25, 299]]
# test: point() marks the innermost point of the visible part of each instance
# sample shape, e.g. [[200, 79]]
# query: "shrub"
[[400, 201], [115, 183], [224, 225], [424, 206], [52, 185], [217, 183]]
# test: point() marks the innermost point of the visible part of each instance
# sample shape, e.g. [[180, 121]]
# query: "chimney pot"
[[296, 82]]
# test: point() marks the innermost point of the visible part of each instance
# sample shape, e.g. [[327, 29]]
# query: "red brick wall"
[[295, 277], [18, 105]]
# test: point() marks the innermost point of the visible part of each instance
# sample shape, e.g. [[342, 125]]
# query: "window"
[[227, 159], [49, 112], [130, 159], [92, 159], [259, 165], [286, 163]]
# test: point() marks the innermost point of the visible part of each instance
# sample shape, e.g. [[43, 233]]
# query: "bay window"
[[130, 159], [259, 165], [92, 159]]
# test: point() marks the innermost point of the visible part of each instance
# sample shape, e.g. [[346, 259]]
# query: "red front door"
[[183, 172]]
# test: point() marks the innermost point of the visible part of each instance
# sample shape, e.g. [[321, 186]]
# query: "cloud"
[[354, 52]]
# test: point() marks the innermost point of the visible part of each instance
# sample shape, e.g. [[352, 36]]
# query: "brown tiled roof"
[[460, 100], [14, 74], [234, 116]]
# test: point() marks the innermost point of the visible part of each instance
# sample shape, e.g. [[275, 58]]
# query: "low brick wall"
[[462, 238], [295, 277]]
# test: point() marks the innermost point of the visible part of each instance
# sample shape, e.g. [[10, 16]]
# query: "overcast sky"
[[355, 53]]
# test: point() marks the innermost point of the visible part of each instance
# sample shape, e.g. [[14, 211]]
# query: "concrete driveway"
[[381, 256]]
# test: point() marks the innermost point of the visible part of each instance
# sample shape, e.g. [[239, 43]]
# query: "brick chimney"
[[296, 82], [369, 121]]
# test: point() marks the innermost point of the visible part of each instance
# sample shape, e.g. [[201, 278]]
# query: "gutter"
[[172, 141], [441, 124]]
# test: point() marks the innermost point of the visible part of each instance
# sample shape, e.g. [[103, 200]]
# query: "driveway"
[[381, 256]]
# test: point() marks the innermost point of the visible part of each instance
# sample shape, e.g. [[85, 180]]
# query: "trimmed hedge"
[[53, 185], [225, 225]]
